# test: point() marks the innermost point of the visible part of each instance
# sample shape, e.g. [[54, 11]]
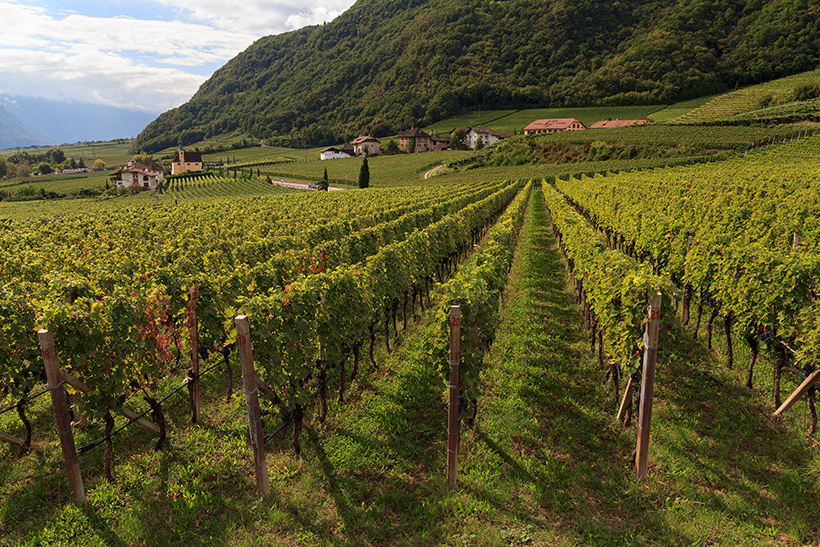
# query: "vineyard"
[[210, 185], [337, 309], [752, 102]]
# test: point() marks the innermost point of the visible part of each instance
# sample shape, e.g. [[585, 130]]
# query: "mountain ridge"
[[65, 122], [14, 133], [383, 66]]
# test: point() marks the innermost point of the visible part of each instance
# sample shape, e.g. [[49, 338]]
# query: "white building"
[[138, 174], [487, 136], [331, 153]]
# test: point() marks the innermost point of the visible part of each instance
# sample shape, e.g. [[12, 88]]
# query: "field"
[[514, 121], [549, 245]]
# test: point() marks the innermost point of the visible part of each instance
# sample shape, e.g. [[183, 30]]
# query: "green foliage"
[[391, 147], [381, 67], [364, 175], [458, 140], [742, 216]]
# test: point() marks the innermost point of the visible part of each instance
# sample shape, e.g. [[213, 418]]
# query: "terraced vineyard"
[[211, 185], [750, 102]]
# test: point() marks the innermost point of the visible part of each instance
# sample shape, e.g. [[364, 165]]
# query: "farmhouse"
[[485, 135], [185, 162], [366, 145], [331, 153], [606, 124], [423, 141], [539, 127], [147, 176]]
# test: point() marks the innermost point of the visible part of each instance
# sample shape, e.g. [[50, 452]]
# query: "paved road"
[[301, 185]]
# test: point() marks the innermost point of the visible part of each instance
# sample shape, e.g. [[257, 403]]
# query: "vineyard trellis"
[[115, 335]]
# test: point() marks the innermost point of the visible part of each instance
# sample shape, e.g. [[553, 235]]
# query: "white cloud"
[[144, 64], [260, 16]]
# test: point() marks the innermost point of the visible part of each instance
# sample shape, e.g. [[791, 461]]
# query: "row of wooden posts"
[[56, 379], [251, 385]]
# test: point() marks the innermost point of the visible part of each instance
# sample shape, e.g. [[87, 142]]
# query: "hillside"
[[384, 66], [14, 133]]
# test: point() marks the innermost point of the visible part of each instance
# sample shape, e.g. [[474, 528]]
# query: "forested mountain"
[[386, 65]]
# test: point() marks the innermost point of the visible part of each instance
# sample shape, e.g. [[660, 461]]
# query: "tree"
[[141, 158], [364, 175], [392, 147], [3, 168], [323, 184], [458, 140], [410, 147], [45, 168], [98, 165]]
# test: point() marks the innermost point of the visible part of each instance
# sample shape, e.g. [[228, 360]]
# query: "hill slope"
[[14, 133], [385, 65]]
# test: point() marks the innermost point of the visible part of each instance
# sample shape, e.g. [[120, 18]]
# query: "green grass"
[[113, 153], [545, 464], [385, 170], [62, 184], [514, 121]]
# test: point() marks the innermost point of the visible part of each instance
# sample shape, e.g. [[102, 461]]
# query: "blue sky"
[[148, 55]]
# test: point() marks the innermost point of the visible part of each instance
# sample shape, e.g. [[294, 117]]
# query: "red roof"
[[190, 157], [134, 167], [556, 124], [605, 124], [362, 139], [414, 133]]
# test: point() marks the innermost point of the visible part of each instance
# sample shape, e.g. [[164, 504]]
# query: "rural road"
[[300, 185]]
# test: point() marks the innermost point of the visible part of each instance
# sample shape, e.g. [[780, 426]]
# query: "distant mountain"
[[387, 65], [13, 133], [63, 122]]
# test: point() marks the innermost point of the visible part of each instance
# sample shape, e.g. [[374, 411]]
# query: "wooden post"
[[452, 417], [194, 337], [58, 399], [251, 385], [650, 355], [796, 240], [810, 380], [625, 400]]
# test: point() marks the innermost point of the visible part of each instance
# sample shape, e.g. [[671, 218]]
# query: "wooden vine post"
[[61, 413], [650, 355], [455, 381], [251, 386], [810, 380], [194, 338]]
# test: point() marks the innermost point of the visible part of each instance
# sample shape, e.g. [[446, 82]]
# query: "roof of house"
[[604, 124], [348, 149], [190, 157], [488, 131], [414, 133], [151, 169], [363, 138], [556, 124]]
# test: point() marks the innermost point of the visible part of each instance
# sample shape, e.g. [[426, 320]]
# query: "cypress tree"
[[364, 175]]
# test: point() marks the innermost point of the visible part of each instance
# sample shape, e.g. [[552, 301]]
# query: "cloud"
[[148, 65], [260, 16], [131, 61]]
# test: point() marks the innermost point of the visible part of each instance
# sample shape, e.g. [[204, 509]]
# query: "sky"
[[147, 55]]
